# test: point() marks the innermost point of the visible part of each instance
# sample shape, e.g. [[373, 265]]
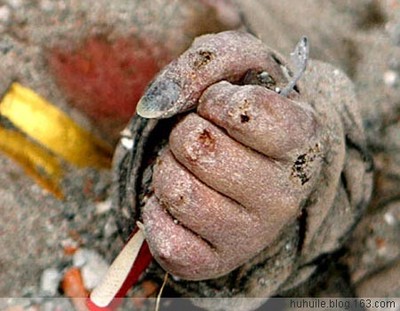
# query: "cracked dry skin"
[[252, 178]]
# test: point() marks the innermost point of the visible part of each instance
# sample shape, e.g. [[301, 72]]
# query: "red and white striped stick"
[[124, 272]]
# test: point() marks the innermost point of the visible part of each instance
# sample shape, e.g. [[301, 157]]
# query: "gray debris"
[[49, 282], [110, 228], [93, 267], [103, 207]]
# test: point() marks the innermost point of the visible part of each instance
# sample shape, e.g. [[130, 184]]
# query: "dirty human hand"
[[234, 175], [250, 178]]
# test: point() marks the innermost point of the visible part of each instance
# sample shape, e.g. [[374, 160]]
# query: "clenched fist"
[[234, 175], [244, 175]]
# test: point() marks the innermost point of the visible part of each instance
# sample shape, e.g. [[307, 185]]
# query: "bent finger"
[[261, 119], [224, 56]]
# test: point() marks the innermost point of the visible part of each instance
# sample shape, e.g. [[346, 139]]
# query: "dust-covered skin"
[[252, 185], [210, 59], [248, 152], [259, 118]]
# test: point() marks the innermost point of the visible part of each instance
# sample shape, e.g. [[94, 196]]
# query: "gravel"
[[49, 282], [93, 267]]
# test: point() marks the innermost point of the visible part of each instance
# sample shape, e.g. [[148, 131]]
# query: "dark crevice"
[[244, 118], [276, 59], [179, 223], [302, 220], [345, 184], [324, 259], [147, 138], [365, 155], [249, 273], [122, 222], [242, 208]]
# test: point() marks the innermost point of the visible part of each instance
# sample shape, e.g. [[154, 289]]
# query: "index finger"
[[224, 56]]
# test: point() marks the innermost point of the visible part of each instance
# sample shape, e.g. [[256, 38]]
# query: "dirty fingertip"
[[159, 99]]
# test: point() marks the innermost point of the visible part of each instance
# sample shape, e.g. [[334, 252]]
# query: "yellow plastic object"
[[38, 162], [53, 129], [42, 137]]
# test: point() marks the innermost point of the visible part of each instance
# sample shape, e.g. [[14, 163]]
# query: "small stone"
[[94, 273], [125, 212], [110, 228], [5, 14], [390, 78], [93, 267], [49, 282], [103, 207], [127, 143], [80, 257], [389, 218]]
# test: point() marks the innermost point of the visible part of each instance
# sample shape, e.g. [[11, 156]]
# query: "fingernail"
[[159, 99]]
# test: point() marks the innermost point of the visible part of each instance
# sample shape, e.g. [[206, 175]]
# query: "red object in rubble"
[[105, 79]]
